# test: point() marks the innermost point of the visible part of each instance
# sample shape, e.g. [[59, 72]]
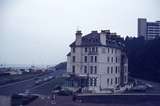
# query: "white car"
[[50, 77], [38, 81], [149, 85], [45, 79]]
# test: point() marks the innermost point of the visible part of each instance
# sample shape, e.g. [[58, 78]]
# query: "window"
[[91, 58], [73, 49], [111, 70], [85, 58], [85, 49], [108, 70], [112, 59], [111, 81], [116, 60], [108, 59], [91, 81], [95, 59], [73, 69], [85, 69], [95, 69], [91, 69], [116, 69], [73, 59], [116, 80], [93, 49], [108, 81], [95, 81]]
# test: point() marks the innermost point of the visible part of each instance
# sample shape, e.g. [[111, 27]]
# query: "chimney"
[[78, 37], [103, 37]]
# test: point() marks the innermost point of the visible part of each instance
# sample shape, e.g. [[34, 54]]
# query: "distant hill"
[[144, 58], [59, 69], [62, 65]]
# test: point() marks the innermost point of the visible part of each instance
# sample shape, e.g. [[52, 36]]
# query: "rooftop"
[[93, 39]]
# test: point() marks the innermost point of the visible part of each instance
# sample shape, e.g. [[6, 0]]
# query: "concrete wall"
[[118, 99]]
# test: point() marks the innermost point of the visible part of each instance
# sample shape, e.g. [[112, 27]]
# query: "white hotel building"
[[97, 62]]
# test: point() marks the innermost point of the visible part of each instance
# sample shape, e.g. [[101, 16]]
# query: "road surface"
[[29, 85]]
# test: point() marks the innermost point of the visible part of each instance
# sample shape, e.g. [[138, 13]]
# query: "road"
[[22, 86], [46, 87]]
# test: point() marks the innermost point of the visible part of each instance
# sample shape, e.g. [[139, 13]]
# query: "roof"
[[69, 54], [93, 39]]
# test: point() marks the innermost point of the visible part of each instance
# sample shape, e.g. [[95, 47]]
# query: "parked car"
[[139, 88], [149, 85], [65, 92], [45, 79], [50, 77], [38, 81]]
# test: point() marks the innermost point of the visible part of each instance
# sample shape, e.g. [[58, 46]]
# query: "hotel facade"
[[97, 62]]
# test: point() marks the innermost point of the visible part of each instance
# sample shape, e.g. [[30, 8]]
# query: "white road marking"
[[41, 85]]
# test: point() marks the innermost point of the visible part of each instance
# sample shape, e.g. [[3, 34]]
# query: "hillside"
[[144, 58]]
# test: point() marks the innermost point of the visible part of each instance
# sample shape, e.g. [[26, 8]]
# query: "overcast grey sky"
[[40, 31]]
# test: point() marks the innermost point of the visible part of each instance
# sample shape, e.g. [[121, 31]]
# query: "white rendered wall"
[[102, 65]]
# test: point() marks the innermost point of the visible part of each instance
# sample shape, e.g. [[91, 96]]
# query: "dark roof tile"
[[93, 39]]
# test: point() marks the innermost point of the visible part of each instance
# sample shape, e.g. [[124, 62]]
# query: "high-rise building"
[[149, 30]]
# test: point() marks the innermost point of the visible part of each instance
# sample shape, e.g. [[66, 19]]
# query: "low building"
[[97, 62]]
